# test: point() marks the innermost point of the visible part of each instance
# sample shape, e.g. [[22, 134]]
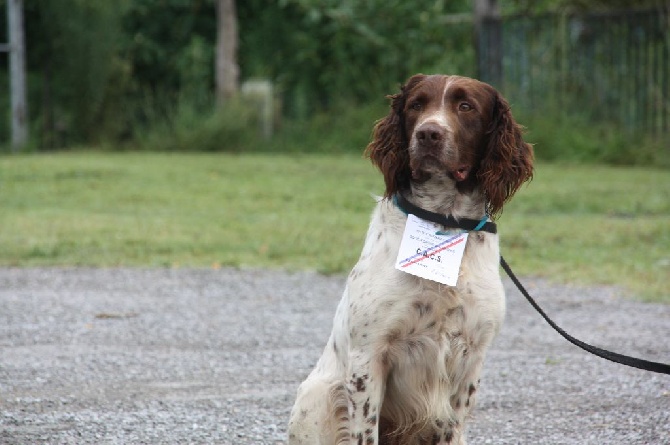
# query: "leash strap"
[[470, 225], [603, 353], [473, 225]]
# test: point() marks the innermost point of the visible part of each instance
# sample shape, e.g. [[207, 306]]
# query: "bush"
[[579, 139], [346, 128], [232, 128], [236, 128], [343, 129]]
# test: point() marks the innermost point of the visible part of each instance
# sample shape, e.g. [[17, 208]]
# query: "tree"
[[227, 69], [18, 74], [488, 38]]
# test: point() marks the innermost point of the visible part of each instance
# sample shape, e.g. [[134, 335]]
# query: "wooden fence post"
[[227, 69], [17, 74], [488, 41]]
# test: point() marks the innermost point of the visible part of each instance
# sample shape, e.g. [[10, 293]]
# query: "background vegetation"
[[138, 74], [113, 82], [583, 225], [108, 72]]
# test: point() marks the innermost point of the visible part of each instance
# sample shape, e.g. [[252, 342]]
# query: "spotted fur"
[[403, 360]]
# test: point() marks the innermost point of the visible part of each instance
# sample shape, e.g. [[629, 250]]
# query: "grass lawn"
[[575, 224]]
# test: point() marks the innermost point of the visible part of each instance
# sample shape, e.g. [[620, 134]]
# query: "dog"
[[402, 364]]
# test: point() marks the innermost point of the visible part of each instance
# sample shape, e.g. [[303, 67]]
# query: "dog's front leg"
[[365, 387]]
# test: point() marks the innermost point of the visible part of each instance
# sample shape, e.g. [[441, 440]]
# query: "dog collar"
[[470, 225]]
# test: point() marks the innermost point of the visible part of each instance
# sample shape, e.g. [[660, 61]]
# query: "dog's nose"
[[430, 134]]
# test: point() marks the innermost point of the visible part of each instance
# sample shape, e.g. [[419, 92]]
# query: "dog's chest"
[[393, 311], [444, 323]]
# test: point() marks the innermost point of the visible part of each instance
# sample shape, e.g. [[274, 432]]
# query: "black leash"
[[474, 225], [603, 353]]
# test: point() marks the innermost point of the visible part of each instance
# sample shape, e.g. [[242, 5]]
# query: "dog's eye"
[[464, 106], [416, 106]]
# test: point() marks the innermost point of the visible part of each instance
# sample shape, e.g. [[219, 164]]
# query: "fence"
[[612, 67]]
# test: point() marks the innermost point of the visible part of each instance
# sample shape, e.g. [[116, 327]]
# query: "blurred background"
[[590, 79], [223, 133]]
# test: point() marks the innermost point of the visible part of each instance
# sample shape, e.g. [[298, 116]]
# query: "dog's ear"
[[388, 149], [508, 159]]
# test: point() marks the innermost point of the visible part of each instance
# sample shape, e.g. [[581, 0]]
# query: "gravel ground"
[[116, 356]]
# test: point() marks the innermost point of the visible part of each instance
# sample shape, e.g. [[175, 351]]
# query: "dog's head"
[[456, 126]]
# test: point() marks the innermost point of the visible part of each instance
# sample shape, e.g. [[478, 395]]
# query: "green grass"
[[593, 225], [582, 225]]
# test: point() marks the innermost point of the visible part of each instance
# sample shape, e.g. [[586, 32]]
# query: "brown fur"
[[402, 364], [505, 163]]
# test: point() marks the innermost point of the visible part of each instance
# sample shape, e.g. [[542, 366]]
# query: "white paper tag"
[[429, 255]]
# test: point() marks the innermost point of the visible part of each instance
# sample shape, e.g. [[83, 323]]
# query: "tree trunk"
[[17, 70], [488, 41], [227, 70]]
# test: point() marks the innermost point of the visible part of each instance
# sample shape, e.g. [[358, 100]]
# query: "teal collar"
[[470, 225]]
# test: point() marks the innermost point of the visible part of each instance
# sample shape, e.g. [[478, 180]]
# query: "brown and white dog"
[[402, 363]]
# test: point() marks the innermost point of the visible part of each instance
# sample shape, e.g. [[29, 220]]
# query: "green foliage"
[[169, 44], [235, 128], [5, 110], [101, 71], [232, 128], [337, 131], [72, 54], [575, 138], [92, 65], [592, 86], [139, 74], [320, 52], [527, 7]]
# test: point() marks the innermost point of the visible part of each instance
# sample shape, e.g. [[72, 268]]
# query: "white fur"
[[440, 115], [402, 348]]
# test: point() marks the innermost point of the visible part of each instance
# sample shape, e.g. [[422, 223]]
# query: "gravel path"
[[116, 356]]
